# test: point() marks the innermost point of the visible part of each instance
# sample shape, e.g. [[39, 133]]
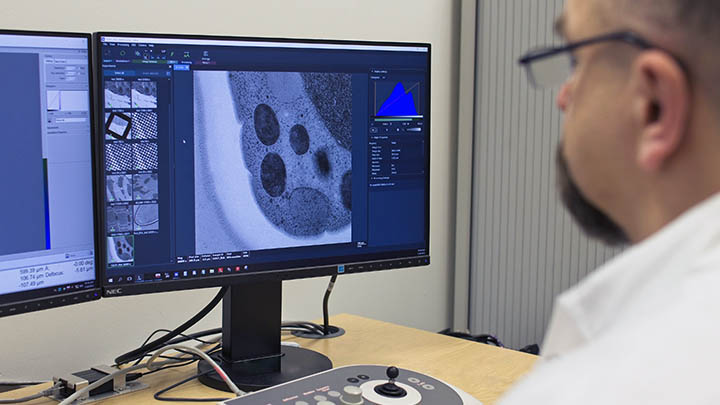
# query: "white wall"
[[41, 344]]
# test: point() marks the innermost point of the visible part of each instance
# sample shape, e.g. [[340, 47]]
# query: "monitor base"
[[295, 363]]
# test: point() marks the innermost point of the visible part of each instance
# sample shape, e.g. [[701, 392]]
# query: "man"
[[639, 163]]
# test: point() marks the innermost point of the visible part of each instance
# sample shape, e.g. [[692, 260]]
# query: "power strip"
[[70, 384]]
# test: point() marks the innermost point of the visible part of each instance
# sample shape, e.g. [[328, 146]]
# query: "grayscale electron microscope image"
[[144, 125], [146, 217], [120, 249], [119, 218], [145, 156], [119, 187], [145, 186], [290, 136], [117, 94], [118, 157], [144, 94], [117, 126]]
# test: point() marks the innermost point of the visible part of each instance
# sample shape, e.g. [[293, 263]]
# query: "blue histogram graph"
[[400, 102]]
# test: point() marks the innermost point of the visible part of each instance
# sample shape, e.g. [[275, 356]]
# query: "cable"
[[183, 337], [40, 394], [204, 356], [184, 363], [139, 352], [158, 395], [21, 382], [306, 326], [326, 298]]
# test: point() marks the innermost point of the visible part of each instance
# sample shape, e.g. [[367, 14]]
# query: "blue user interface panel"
[[240, 156], [46, 212]]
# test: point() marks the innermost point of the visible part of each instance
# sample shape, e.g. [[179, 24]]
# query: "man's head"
[[641, 131]]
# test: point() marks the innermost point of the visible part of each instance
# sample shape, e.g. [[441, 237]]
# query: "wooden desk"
[[481, 370]]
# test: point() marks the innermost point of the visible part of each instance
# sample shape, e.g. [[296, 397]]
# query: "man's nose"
[[563, 97]]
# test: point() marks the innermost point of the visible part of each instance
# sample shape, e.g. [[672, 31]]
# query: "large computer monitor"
[[46, 209], [246, 161]]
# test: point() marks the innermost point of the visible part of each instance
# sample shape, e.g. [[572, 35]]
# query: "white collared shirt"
[[642, 329]]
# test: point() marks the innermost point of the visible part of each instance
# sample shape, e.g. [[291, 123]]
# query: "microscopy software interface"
[[268, 154], [46, 243]]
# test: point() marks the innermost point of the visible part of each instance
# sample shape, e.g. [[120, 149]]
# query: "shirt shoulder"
[[667, 356]]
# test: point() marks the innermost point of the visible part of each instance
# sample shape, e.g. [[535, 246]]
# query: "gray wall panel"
[[525, 248]]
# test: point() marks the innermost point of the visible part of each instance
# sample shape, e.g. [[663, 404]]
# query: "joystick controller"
[[390, 389], [360, 385]]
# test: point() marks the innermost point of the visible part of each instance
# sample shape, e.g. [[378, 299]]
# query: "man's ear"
[[663, 104]]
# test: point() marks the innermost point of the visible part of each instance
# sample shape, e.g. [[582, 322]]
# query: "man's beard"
[[591, 220]]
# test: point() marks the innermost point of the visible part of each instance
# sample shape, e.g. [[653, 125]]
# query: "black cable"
[[307, 326], [326, 316], [158, 394], [155, 344], [183, 336]]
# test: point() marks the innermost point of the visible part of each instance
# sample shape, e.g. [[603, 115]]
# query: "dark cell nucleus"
[[322, 163], [299, 139], [346, 190], [309, 210], [267, 127], [273, 175]]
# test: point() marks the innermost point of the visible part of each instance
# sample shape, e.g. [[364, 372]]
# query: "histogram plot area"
[[397, 98]]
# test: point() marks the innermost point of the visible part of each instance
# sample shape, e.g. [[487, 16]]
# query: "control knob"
[[352, 395]]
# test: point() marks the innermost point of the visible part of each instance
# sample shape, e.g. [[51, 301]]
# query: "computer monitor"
[[247, 161], [46, 211]]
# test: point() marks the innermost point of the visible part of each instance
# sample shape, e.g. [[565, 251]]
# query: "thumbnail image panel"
[[120, 249], [118, 125], [145, 156], [144, 125], [117, 94], [145, 187], [146, 217], [118, 157], [274, 146], [119, 218], [144, 94], [119, 187]]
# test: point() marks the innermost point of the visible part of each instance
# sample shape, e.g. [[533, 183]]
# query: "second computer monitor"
[[47, 253], [260, 158]]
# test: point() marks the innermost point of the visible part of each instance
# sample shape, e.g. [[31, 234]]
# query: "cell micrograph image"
[[145, 156], [119, 218], [146, 217], [144, 125], [118, 125], [119, 187], [144, 94], [276, 157], [145, 186], [120, 249], [118, 157], [117, 94]]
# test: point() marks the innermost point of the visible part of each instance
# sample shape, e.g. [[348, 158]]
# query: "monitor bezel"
[[382, 261], [91, 294]]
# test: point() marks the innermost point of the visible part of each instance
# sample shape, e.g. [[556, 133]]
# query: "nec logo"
[[113, 291]]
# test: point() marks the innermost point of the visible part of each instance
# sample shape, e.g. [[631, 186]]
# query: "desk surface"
[[481, 370]]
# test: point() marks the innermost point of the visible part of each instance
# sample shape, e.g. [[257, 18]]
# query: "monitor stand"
[[252, 355]]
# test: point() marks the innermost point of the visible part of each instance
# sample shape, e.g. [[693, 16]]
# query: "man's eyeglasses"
[[552, 66]]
